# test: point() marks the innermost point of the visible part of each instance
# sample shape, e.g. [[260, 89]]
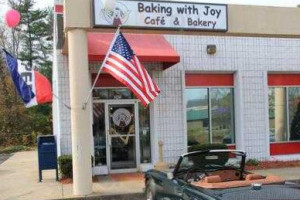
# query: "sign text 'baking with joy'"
[[161, 15]]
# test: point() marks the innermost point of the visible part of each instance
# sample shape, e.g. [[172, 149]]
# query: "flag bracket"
[[60, 100]]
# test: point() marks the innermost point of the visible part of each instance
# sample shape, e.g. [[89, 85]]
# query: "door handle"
[[109, 141], [179, 191]]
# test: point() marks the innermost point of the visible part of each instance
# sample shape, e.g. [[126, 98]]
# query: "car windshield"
[[211, 160]]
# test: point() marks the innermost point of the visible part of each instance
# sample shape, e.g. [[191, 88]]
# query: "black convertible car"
[[216, 175]]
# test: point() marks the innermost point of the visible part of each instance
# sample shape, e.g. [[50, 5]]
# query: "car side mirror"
[[170, 175]]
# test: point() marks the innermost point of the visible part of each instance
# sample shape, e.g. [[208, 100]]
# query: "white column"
[[280, 114], [81, 125], [239, 115]]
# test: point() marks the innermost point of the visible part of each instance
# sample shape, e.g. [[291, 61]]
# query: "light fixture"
[[109, 4], [211, 49]]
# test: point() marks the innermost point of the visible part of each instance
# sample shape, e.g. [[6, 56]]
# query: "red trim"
[[231, 146], [283, 79], [59, 8], [284, 148], [209, 79], [106, 80]]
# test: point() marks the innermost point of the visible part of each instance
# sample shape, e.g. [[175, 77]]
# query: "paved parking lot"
[[113, 197], [4, 157], [20, 173]]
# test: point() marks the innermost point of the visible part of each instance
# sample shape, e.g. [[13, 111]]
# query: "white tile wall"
[[63, 118], [250, 58]]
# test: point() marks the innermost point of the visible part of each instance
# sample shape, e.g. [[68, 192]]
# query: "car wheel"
[[150, 193]]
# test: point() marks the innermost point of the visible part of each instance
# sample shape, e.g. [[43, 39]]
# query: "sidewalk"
[[291, 173], [19, 181]]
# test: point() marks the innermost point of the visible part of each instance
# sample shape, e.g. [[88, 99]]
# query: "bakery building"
[[227, 73]]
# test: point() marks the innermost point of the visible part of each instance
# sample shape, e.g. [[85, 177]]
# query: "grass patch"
[[13, 149]]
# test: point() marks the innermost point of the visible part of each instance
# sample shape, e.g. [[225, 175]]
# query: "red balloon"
[[12, 18]]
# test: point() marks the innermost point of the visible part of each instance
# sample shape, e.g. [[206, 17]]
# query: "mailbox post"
[[47, 154]]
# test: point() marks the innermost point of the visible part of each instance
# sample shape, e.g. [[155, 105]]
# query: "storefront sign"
[[161, 15]]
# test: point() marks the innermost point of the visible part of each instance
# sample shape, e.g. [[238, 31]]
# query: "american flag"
[[122, 63]]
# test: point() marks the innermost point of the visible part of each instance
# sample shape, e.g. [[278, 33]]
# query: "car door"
[[170, 189], [191, 193]]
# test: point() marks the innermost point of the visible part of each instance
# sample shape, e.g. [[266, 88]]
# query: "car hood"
[[267, 192]]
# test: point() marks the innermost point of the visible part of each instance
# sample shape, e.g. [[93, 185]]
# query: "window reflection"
[[100, 94], [145, 138], [222, 115], [294, 112], [210, 115], [197, 116], [99, 134], [118, 93], [284, 114], [277, 114]]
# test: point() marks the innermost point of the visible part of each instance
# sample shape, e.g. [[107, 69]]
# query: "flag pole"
[[99, 71]]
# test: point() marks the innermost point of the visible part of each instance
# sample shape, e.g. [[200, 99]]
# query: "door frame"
[[137, 141]]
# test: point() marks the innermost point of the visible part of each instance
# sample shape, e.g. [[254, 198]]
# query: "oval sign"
[[121, 117]]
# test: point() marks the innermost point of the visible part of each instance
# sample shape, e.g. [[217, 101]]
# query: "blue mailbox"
[[47, 154]]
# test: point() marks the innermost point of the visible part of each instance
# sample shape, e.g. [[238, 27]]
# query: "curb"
[[136, 196]]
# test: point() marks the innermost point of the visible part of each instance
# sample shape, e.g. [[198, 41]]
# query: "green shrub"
[[65, 166], [252, 162], [27, 140], [201, 147], [13, 149]]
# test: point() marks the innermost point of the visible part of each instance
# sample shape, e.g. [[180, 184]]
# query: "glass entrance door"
[[122, 136]]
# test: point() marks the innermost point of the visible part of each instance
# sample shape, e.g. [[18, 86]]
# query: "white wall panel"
[[250, 58]]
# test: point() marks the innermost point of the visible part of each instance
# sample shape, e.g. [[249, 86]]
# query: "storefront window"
[[145, 138], [99, 134], [197, 116], [210, 115], [118, 93], [284, 117], [222, 115], [294, 112], [277, 114]]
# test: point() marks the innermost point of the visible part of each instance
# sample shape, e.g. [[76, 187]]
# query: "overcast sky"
[[290, 3], [39, 3], [286, 3], [44, 3]]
